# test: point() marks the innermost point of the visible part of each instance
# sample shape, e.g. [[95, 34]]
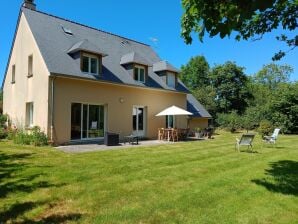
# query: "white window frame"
[[170, 82], [90, 56], [138, 75]]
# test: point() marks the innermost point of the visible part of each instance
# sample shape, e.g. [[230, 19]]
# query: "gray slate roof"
[[164, 66], [54, 45], [194, 106], [133, 57], [85, 45]]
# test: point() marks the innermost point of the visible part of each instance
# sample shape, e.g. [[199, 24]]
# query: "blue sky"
[[154, 22]]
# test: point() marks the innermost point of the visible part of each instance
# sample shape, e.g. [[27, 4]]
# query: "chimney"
[[29, 4]]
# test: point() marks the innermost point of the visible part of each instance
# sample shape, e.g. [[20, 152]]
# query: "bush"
[[36, 137], [230, 122], [265, 127], [22, 138], [3, 133], [11, 133], [3, 119]]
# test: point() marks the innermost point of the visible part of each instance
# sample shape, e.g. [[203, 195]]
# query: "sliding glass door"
[[87, 121]]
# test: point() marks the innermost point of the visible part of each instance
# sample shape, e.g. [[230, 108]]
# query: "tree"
[[195, 73], [206, 96], [272, 74], [284, 107], [248, 19], [230, 84]]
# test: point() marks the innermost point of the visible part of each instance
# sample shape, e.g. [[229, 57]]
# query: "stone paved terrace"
[[80, 148]]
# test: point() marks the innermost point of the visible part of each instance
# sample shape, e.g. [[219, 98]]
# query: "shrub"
[[22, 138], [265, 127], [230, 122], [3, 133], [36, 137], [11, 133], [3, 119], [39, 138]]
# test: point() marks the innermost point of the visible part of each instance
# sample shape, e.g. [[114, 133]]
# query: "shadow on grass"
[[282, 177], [14, 213], [13, 180]]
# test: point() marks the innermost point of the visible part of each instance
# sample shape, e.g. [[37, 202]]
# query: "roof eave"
[[115, 83], [12, 45]]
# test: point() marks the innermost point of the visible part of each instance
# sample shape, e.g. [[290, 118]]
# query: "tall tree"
[[231, 86], [272, 74], [284, 107], [247, 18], [195, 73], [206, 96]]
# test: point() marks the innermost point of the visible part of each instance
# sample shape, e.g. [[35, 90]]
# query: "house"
[[77, 82]]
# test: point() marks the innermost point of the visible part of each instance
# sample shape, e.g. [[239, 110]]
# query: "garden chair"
[[245, 140], [272, 139], [161, 133]]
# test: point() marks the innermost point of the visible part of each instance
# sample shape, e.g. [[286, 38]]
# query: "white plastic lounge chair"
[[246, 140], [272, 139]]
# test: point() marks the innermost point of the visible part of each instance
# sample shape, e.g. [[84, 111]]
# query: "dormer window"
[[90, 63], [139, 73], [167, 72], [171, 79]]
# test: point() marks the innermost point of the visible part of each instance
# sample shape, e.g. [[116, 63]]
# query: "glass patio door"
[[87, 121], [138, 120]]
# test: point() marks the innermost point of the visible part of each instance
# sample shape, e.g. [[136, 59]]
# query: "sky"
[[154, 22]]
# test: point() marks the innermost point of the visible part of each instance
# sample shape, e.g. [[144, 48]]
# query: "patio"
[[81, 148]]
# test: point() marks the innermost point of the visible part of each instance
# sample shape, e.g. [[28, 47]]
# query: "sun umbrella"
[[173, 110]]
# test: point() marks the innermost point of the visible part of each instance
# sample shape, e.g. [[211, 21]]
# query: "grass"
[[192, 182]]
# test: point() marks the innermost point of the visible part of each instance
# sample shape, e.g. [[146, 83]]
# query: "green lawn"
[[192, 182]]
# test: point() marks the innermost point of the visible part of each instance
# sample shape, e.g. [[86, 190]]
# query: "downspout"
[[52, 110]]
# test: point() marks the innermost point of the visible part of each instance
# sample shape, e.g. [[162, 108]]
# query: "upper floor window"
[[90, 63], [139, 73], [13, 74], [171, 79], [30, 66]]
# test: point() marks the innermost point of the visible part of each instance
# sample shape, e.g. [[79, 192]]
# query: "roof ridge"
[[90, 27]]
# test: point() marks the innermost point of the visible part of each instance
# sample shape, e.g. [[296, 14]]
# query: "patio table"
[[131, 139]]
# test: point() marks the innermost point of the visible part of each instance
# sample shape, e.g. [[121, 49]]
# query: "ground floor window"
[[170, 121], [29, 114], [87, 121]]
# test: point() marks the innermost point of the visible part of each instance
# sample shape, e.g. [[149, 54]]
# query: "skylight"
[[67, 30]]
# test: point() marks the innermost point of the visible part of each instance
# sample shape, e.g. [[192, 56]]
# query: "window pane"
[[75, 121], [85, 64], [141, 120], [171, 80], [170, 121], [142, 75], [94, 131], [94, 65], [85, 123], [134, 119], [13, 74], [31, 114], [30, 65], [136, 74], [101, 121]]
